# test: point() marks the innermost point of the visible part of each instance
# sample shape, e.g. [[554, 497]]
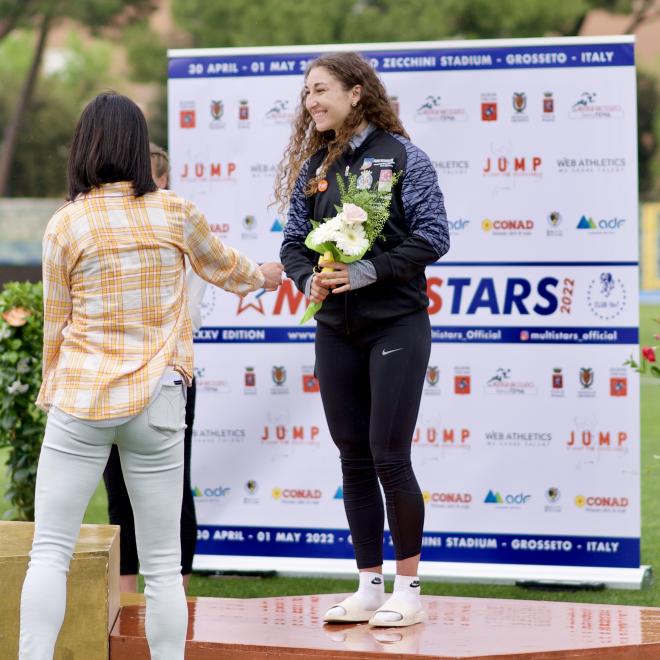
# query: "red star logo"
[[246, 303]]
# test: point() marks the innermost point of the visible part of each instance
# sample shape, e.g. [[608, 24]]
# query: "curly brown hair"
[[350, 69]]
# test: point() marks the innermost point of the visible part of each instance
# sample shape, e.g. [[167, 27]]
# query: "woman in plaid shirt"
[[117, 356]]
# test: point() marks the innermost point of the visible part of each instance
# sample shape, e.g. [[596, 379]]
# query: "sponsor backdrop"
[[527, 444]]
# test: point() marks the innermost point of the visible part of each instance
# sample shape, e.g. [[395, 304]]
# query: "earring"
[[354, 103]]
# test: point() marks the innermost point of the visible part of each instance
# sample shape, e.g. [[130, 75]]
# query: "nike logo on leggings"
[[393, 350]]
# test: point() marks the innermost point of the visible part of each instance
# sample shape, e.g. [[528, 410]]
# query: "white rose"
[[353, 214]]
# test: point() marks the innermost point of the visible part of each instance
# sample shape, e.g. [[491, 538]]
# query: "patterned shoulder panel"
[[423, 201], [298, 224]]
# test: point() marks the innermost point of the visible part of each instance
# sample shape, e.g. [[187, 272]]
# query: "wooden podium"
[[92, 594], [291, 628]]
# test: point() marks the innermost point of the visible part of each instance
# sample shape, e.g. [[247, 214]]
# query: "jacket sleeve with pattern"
[[425, 214]]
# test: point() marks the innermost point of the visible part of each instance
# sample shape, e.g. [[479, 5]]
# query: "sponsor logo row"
[[579, 439], [552, 499], [278, 383], [517, 107], [491, 167], [521, 108], [215, 116], [585, 437], [520, 165], [554, 223], [503, 381]]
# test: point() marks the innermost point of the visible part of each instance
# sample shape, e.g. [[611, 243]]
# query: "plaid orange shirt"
[[115, 300]]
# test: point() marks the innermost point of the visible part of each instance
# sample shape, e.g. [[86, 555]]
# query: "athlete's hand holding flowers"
[[346, 231], [334, 280], [346, 238]]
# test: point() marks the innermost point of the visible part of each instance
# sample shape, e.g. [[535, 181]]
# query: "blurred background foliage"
[[56, 55]]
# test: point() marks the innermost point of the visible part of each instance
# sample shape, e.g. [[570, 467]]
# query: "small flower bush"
[[647, 364], [21, 422]]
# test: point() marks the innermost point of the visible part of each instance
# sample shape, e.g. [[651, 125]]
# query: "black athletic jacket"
[[416, 233]]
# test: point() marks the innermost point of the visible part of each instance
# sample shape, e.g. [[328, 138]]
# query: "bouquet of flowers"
[[352, 232], [647, 364]]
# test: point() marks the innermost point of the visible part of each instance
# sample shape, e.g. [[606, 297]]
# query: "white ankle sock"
[[370, 593], [407, 589], [371, 590]]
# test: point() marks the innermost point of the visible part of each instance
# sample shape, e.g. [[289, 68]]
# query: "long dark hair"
[[350, 69], [110, 143]]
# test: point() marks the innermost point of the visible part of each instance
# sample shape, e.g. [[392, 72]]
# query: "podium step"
[[290, 628], [92, 593]]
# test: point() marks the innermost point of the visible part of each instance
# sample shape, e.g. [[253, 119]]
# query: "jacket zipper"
[[353, 158]]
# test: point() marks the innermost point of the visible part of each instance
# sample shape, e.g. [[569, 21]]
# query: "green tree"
[[648, 98], [147, 58], [276, 22], [41, 15], [13, 13], [272, 22], [39, 162], [147, 54]]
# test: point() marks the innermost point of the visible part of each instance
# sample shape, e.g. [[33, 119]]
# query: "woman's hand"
[[318, 292], [272, 273], [337, 280]]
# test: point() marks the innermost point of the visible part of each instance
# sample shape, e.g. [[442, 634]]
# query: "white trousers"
[[71, 463]]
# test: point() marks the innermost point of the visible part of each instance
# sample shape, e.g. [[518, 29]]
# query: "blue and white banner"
[[527, 442], [580, 550], [217, 64]]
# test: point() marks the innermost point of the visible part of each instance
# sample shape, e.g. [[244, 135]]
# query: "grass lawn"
[[240, 587]]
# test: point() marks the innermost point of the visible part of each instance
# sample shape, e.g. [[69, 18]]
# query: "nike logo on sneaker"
[[392, 350], [414, 584], [376, 581]]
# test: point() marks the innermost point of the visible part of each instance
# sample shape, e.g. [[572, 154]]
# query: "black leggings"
[[120, 511], [371, 386]]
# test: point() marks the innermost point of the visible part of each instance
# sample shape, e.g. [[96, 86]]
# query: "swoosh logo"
[[393, 350], [376, 581]]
